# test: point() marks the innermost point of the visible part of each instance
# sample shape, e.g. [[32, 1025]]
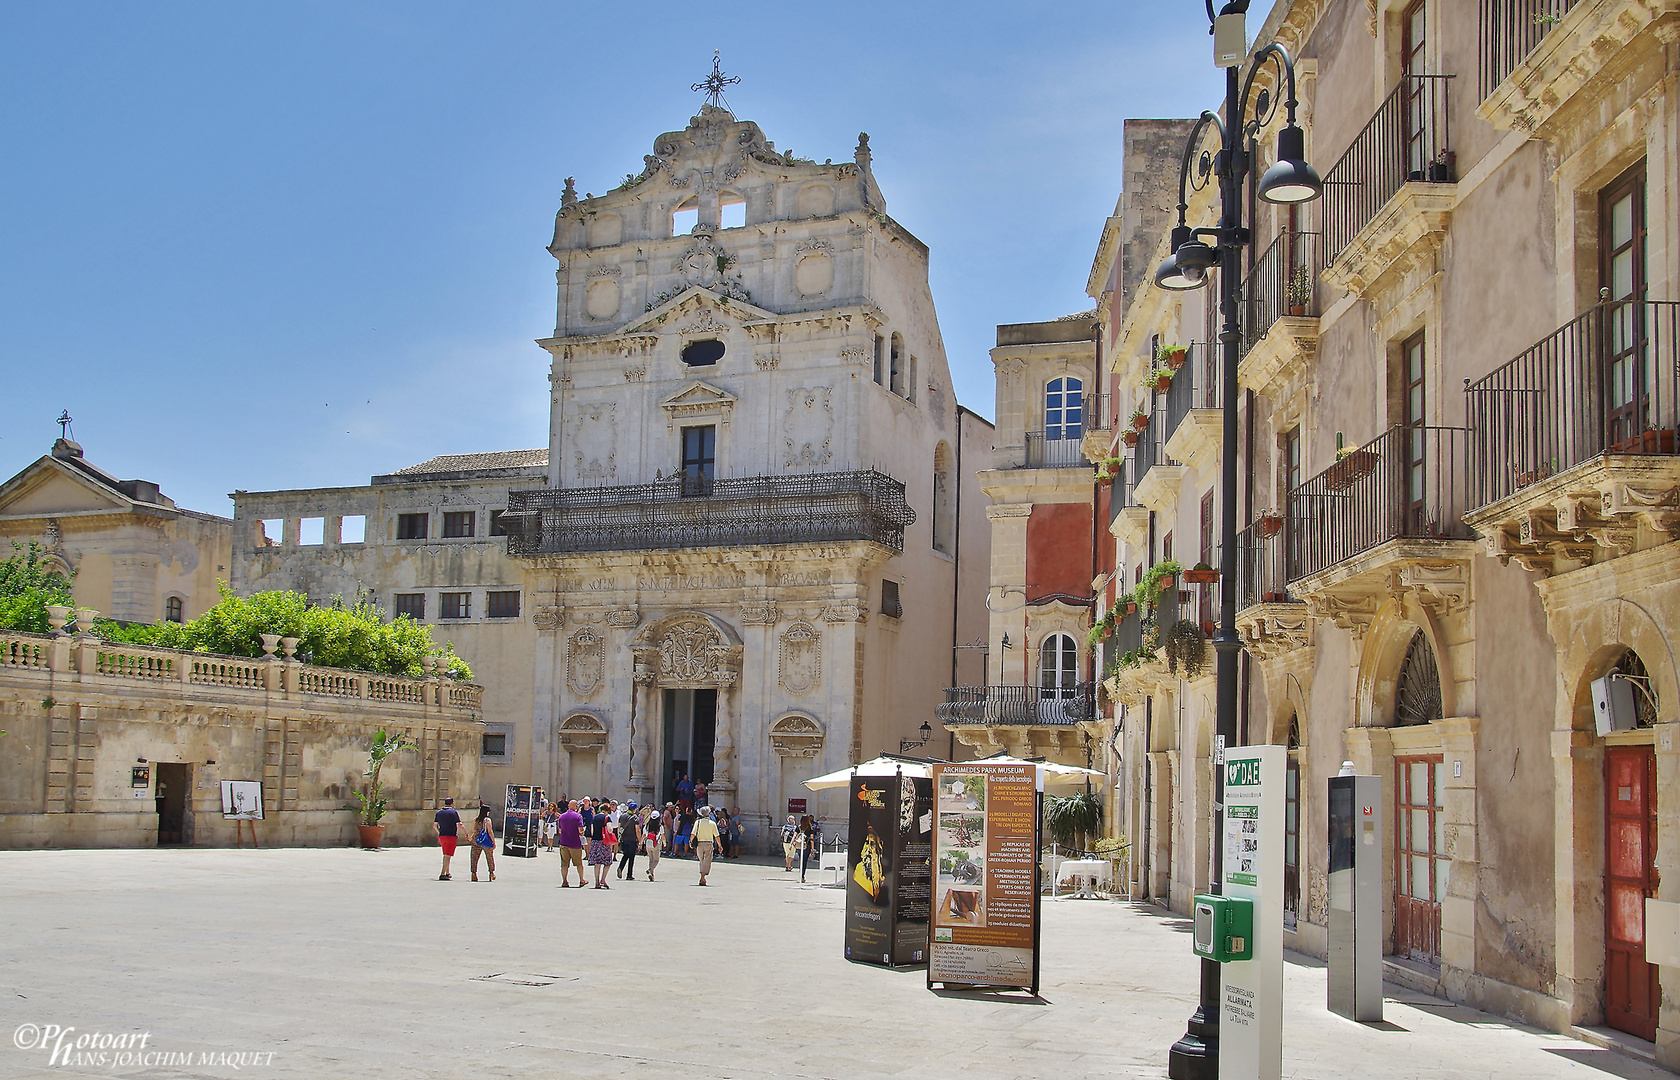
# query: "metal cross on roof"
[[63, 422], [714, 83]]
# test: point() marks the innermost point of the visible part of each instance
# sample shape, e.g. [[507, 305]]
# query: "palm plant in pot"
[[373, 800]]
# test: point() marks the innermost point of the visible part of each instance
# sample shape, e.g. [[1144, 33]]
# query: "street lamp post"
[[1195, 1056]]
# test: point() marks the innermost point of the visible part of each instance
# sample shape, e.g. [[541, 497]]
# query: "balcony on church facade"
[[1020, 706], [1388, 199], [1574, 441], [735, 512], [1391, 507]]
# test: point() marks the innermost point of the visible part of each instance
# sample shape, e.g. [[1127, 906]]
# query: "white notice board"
[[242, 800], [1251, 991]]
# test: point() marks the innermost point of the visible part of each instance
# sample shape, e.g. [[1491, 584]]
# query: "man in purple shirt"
[[570, 827]]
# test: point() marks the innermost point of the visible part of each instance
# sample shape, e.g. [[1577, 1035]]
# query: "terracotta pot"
[[1351, 469], [1271, 598], [1130, 438], [1176, 357], [1269, 525], [1297, 309], [371, 835], [1163, 384], [1166, 582], [1139, 423], [1131, 607], [1201, 577]]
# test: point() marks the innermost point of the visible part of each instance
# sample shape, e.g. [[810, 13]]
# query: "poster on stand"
[[889, 862], [522, 820], [985, 876], [242, 800]]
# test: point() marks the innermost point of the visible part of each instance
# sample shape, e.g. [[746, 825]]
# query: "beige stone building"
[[110, 745], [1459, 491], [754, 538], [134, 554]]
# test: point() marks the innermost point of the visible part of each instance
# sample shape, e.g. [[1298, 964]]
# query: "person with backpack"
[[629, 839]]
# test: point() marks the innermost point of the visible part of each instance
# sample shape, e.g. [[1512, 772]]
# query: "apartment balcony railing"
[[1149, 450], [1282, 283], [1261, 571], [1507, 31], [1409, 138], [1407, 483], [1021, 705], [1056, 448], [1196, 386], [1608, 382], [1099, 412], [738, 512]]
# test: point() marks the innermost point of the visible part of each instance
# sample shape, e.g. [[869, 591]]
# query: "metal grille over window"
[[1418, 697]]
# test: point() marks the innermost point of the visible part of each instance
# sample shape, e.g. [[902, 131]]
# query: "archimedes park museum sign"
[[985, 876]]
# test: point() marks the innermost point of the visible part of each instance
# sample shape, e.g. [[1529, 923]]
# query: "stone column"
[[1458, 900], [644, 709]]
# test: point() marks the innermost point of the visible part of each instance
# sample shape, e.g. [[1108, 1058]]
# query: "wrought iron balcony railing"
[[1507, 31], [1406, 483], [1056, 448], [1283, 282], [1196, 386], [1409, 138], [1022, 705], [738, 512], [1609, 382], [1260, 564], [1148, 452]]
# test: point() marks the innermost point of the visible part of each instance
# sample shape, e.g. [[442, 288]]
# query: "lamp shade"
[[1291, 179], [1170, 275]]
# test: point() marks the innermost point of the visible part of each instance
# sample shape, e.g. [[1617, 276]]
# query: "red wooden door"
[[1420, 872], [1630, 816]]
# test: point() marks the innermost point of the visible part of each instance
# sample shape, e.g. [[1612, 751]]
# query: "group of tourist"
[[802, 840], [600, 832]]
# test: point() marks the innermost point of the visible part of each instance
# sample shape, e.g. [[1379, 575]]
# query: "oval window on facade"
[[702, 353]]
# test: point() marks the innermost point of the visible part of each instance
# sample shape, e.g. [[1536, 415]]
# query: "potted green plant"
[[1185, 647], [1175, 356], [1353, 464], [1130, 438], [1140, 419], [1201, 574], [1156, 380], [1299, 290], [373, 799]]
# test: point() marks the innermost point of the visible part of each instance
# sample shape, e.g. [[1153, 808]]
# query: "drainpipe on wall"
[[956, 571]]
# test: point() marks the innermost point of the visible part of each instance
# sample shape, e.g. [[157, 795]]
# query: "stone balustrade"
[[86, 659]]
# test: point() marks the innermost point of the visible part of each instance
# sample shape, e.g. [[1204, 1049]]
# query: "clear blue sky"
[[290, 245]]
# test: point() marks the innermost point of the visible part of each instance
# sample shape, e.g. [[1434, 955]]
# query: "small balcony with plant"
[[1270, 621], [1542, 63], [1152, 637], [1573, 444], [1388, 199], [1194, 420], [1280, 316], [1382, 517]]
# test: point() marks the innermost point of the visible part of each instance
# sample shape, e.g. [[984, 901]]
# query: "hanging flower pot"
[[1130, 438], [1140, 420], [1167, 582], [1131, 607], [1202, 574], [1268, 525], [1351, 467], [1163, 382], [1176, 356]]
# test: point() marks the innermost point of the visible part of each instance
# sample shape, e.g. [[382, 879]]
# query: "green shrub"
[[28, 583], [355, 636]]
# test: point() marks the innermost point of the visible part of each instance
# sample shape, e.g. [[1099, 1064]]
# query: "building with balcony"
[[754, 538], [1028, 692], [1458, 499]]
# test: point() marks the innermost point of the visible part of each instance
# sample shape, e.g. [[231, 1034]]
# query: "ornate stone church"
[[752, 544]]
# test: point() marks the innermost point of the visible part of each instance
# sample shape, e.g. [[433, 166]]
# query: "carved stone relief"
[[808, 427], [585, 662], [594, 440], [581, 733], [796, 736], [799, 667]]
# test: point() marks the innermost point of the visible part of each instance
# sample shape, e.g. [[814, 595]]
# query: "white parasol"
[[881, 766]]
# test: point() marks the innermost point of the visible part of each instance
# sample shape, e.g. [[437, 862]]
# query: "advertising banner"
[[1251, 991], [522, 820], [985, 879], [889, 861]]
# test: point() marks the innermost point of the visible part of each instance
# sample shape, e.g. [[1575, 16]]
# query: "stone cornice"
[[1409, 229]]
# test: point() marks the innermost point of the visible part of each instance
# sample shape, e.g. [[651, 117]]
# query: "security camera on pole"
[[1195, 252]]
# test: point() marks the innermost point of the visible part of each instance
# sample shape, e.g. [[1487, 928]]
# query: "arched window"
[[1644, 694], [944, 500], [174, 610], [1064, 409], [1058, 667], [685, 217], [1417, 698]]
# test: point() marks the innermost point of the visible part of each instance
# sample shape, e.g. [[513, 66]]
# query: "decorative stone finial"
[[568, 197], [862, 155]]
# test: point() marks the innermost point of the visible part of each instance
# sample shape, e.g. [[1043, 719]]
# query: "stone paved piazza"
[[342, 963]]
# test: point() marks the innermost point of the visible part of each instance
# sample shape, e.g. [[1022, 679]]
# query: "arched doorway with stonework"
[[581, 743], [687, 708]]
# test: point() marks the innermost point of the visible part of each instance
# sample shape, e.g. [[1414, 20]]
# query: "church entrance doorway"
[[690, 721]]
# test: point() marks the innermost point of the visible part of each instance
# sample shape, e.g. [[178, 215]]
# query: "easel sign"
[[242, 801]]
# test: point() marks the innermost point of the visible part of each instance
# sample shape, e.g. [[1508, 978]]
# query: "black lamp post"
[[1194, 252]]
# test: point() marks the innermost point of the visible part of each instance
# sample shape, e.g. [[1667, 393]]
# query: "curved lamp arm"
[[1279, 55], [1190, 146]]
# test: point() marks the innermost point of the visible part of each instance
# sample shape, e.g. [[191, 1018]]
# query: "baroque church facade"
[[752, 543]]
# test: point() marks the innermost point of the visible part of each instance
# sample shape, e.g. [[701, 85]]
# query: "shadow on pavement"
[[1605, 1061]]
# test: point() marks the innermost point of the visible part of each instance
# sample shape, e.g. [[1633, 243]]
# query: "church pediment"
[[49, 488], [698, 399], [694, 304]]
